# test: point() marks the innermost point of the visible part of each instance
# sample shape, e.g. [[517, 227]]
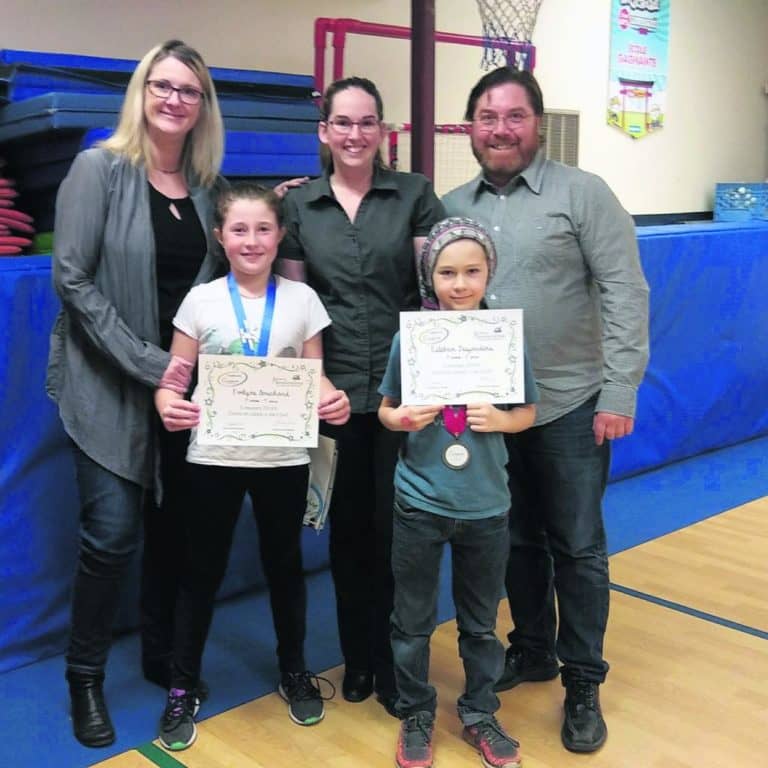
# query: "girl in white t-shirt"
[[251, 311]]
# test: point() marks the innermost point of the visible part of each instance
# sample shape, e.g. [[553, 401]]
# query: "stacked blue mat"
[[54, 105]]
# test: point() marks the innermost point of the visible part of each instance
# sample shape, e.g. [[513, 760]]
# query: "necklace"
[[170, 173]]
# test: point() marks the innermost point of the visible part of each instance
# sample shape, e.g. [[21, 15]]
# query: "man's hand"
[[611, 426]]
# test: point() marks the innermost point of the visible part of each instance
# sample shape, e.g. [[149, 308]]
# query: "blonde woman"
[[133, 233]]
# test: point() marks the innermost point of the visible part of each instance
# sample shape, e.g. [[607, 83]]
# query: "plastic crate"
[[736, 201]]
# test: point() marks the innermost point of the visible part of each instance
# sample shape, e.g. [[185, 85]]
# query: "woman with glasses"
[[353, 234], [133, 233]]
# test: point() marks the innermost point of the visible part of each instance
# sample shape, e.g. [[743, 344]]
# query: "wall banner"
[[637, 90]]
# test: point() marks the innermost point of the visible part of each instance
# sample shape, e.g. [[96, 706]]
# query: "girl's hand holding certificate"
[[176, 412], [333, 407]]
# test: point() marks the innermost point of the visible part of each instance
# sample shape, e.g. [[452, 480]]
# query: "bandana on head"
[[443, 233]]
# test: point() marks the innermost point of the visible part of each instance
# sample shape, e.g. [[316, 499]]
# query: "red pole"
[[423, 86], [322, 26]]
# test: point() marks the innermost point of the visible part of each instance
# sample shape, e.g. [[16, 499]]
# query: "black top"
[[364, 271], [180, 249]]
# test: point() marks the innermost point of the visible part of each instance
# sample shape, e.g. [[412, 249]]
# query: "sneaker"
[[496, 748], [584, 729], [414, 744], [522, 665], [177, 726], [302, 692]]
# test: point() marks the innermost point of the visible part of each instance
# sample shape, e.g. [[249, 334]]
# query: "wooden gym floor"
[[688, 687]]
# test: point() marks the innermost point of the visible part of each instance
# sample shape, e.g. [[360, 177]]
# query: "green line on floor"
[[159, 756]]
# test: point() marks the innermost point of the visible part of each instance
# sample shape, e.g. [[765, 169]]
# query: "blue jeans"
[[478, 552], [557, 477], [110, 521]]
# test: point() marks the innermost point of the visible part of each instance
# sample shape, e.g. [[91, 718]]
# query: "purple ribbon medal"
[[456, 455]]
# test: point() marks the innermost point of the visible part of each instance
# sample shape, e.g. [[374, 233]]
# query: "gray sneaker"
[[177, 725], [414, 744], [301, 690]]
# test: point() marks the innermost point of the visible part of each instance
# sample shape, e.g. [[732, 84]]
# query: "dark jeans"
[[557, 477], [361, 543], [110, 520], [279, 497], [479, 551], [159, 569]]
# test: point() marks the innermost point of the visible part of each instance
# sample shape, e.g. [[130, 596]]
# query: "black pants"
[[361, 543], [279, 500], [163, 527]]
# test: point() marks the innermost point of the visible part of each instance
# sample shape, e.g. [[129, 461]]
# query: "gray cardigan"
[[104, 360]]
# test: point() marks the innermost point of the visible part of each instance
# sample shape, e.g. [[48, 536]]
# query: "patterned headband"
[[443, 233]]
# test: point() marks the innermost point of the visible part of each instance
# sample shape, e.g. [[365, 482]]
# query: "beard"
[[501, 169]]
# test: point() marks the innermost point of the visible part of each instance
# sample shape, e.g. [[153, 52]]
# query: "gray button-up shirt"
[[568, 257]]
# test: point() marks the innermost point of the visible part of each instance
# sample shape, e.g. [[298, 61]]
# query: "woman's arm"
[[82, 208]]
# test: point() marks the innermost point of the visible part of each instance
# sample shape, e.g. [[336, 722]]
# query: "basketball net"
[[510, 21]]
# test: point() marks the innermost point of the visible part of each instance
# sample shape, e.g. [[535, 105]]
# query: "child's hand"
[[485, 417], [413, 418], [334, 407], [178, 414]]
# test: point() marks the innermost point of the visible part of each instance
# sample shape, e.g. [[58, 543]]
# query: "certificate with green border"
[[454, 358], [259, 401]]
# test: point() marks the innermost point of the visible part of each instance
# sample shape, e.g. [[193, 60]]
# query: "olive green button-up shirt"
[[568, 256], [363, 270]]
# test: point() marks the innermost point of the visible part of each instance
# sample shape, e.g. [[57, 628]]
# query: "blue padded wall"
[[706, 387]]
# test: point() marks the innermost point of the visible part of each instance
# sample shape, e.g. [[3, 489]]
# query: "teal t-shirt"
[[422, 479]]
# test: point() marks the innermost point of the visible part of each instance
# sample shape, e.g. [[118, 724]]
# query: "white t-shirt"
[[206, 314]]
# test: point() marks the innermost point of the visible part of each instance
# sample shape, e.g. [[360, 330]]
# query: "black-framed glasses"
[[344, 125], [163, 90], [489, 120]]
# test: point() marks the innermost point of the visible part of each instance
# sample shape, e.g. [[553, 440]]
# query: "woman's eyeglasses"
[[344, 125], [163, 90]]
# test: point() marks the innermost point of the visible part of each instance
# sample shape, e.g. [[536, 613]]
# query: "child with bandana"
[[451, 487]]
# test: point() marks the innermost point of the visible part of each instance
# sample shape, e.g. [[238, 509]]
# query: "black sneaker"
[[496, 747], [177, 725], [414, 744], [584, 729], [522, 665], [301, 690]]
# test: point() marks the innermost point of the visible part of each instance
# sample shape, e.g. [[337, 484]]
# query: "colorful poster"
[[637, 90]]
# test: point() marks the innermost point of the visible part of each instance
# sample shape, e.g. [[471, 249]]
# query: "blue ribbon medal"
[[266, 322]]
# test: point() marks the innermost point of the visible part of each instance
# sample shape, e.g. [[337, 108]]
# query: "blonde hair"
[[203, 147]]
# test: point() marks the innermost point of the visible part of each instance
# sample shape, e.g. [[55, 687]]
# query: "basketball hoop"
[[510, 21]]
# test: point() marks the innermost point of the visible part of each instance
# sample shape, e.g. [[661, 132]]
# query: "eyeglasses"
[[489, 120], [344, 125], [163, 90]]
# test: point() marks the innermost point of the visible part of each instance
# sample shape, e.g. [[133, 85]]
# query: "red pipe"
[[340, 28]]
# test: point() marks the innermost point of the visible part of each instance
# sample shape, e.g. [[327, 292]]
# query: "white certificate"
[[261, 401], [454, 358]]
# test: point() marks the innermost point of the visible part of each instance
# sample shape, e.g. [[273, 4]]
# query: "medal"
[[456, 455]]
